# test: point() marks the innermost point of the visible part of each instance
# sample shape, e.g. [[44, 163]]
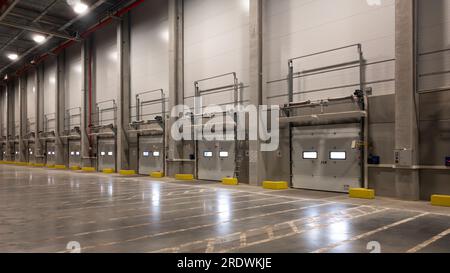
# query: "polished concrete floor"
[[45, 210]]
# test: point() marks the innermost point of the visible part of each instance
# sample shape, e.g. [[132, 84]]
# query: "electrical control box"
[[403, 157]]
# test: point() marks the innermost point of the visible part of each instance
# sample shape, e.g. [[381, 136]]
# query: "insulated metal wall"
[[433, 44], [73, 76], [4, 113], [31, 97], [149, 52], [106, 64], [72, 81], [49, 93], [16, 107], [434, 101], [106, 71], [295, 28], [216, 41]]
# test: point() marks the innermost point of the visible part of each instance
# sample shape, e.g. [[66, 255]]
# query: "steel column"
[[176, 82], [62, 156], [23, 116], [86, 148], [123, 118], [406, 126], [256, 158]]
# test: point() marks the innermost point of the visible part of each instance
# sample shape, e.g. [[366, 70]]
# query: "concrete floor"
[[43, 210]]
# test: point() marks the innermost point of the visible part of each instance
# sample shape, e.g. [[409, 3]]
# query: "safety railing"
[[49, 122], [103, 121], [425, 75]]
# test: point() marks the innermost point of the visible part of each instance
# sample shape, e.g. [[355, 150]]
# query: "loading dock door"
[[31, 156], [50, 153], [16, 152], [3, 152], [106, 154], [216, 160], [74, 153], [324, 157], [151, 154]]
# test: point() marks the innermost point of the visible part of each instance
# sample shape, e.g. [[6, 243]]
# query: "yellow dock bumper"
[[184, 177], [275, 185], [157, 174], [440, 200], [362, 193], [88, 169], [230, 181], [127, 172]]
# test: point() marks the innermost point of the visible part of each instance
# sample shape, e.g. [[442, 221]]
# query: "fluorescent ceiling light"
[[80, 7], [38, 38], [13, 56]]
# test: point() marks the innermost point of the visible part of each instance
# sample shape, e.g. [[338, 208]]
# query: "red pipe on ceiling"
[[83, 35]]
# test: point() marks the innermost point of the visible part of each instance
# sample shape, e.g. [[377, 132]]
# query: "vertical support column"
[[39, 113], [176, 81], [2, 111], [406, 125], [62, 156], [10, 121], [256, 160], [86, 160], [123, 117], [23, 116]]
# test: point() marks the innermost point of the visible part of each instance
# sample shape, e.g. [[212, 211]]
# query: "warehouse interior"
[[357, 94]]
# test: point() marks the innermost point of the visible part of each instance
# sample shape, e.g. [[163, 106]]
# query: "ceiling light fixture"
[[38, 38], [13, 56], [80, 7]]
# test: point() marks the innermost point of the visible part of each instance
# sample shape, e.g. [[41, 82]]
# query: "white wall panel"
[[73, 77], [16, 106], [434, 35], [149, 52], [295, 28], [73, 85], [216, 42], [106, 72], [31, 97], [4, 113], [49, 86], [106, 64]]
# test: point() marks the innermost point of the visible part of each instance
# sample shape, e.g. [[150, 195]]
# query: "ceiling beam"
[[38, 30], [8, 9], [62, 28]]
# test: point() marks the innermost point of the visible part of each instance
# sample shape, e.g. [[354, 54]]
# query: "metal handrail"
[[140, 104]]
